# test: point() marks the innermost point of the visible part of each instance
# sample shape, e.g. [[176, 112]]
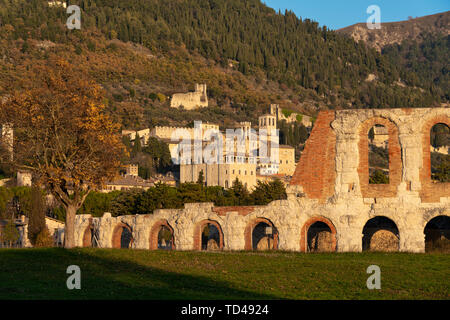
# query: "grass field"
[[140, 274]]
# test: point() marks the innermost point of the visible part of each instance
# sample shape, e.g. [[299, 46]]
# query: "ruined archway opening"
[[264, 237], [439, 153], [122, 237], [437, 235], [125, 238], [378, 154], [320, 238], [165, 238], [88, 237], [380, 234], [210, 237]]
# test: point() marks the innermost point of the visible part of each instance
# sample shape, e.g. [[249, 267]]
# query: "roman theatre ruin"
[[331, 204]]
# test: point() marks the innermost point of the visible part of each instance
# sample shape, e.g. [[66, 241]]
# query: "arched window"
[[263, 237], [378, 155], [210, 237], [165, 238], [320, 238], [380, 234], [437, 235], [439, 153], [122, 237]]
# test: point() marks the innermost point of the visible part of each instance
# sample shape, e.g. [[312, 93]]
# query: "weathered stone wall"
[[330, 185]]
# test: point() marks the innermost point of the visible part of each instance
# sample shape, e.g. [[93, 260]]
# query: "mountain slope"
[[142, 51], [395, 32], [419, 46]]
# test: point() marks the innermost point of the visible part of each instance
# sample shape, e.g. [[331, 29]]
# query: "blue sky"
[[337, 14]]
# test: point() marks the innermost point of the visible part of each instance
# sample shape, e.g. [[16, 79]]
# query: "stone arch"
[[332, 245], [198, 230], [122, 236], [249, 234], [437, 234], [380, 234], [154, 234], [395, 161], [431, 192], [87, 236]]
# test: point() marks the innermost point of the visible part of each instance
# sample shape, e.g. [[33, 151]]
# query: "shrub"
[[43, 239]]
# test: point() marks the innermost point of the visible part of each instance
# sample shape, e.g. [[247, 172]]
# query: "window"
[[378, 155], [439, 153]]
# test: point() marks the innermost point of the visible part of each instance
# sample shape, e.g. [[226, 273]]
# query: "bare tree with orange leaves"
[[62, 135]]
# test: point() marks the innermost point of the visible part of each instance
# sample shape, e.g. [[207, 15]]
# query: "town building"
[[191, 100], [128, 181]]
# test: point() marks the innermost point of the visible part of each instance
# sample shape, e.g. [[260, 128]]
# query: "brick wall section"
[[154, 232], [395, 160], [198, 233], [315, 171], [242, 211], [431, 191], [310, 222], [87, 237]]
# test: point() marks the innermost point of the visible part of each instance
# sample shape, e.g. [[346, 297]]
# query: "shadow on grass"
[[41, 274]]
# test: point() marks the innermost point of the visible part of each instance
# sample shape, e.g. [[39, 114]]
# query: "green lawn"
[[140, 274]]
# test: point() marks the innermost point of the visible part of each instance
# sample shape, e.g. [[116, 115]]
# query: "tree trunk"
[[69, 230]]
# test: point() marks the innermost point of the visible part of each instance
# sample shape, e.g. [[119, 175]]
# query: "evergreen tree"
[[36, 223], [137, 147], [201, 178], [9, 235]]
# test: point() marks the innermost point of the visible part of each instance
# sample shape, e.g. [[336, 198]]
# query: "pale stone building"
[[220, 174], [144, 135], [130, 180], [293, 117], [287, 164], [191, 100], [380, 136], [24, 178], [331, 206]]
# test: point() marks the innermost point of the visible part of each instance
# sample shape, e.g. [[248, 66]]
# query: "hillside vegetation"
[[418, 45], [248, 54]]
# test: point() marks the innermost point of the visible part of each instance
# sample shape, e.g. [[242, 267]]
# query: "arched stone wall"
[[395, 160], [437, 234], [154, 232], [310, 222], [382, 236], [198, 233], [431, 192], [117, 234], [248, 233]]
